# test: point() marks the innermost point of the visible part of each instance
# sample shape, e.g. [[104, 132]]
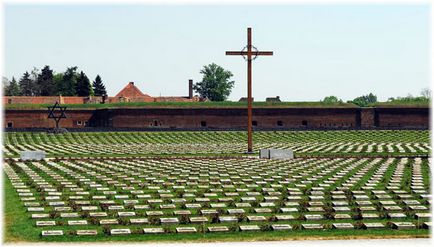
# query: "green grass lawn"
[[19, 228]]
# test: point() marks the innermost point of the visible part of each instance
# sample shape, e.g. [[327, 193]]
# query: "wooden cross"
[[249, 53]]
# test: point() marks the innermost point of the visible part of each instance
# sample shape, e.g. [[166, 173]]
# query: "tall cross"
[[251, 55]]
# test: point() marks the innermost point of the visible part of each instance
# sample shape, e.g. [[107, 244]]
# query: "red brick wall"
[[399, 117], [232, 118], [225, 118], [38, 119], [367, 117]]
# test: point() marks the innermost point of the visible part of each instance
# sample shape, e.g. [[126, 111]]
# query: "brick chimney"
[[190, 89]]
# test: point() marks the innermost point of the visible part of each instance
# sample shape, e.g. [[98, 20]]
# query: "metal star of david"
[[57, 112]]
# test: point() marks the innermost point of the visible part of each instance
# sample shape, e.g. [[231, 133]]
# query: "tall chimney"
[[190, 89]]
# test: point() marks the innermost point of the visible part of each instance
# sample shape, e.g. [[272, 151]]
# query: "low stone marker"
[[285, 217], [40, 216], [256, 218], [32, 155], [186, 230], [76, 222], [218, 229], [198, 219], [169, 220], [276, 154], [342, 216], [109, 222], [52, 233], [343, 226], [374, 225], [153, 230], [120, 231], [86, 232], [46, 223], [249, 228], [139, 221], [228, 219], [403, 225], [312, 226], [281, 227]]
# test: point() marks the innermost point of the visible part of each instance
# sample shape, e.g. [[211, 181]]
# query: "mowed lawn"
[[386, 169]]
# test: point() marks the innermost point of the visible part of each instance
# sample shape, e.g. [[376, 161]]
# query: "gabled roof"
[[130, 91]]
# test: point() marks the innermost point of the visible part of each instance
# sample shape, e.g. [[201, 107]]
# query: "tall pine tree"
[[67, 86], [45, 82], [98, 87], [27, 86], [83, 85], [13, 89]]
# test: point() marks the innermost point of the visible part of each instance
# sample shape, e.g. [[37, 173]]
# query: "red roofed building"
[[130, 90], [130, 93]]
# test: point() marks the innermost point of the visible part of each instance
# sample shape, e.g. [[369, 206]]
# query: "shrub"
[[359, 225], [106, 230], [93, 220], [233, 228], [296, 227], [272, 218], [154, 220], [214, 218], [240, 217], [168, 230], [265, 227], [123, 221], [136, 231], [183, 219]]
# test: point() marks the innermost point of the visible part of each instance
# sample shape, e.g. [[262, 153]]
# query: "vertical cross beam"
[[249, 91], [249, 53]]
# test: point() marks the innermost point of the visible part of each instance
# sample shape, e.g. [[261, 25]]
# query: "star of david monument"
[[57, 112]]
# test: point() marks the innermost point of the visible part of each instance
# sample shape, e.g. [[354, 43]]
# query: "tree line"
[[47, 83], [366, 100]]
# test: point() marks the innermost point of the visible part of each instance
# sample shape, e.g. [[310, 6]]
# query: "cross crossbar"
[[245, 53]]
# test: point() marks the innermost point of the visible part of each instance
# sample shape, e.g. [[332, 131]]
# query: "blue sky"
[[320, 50]]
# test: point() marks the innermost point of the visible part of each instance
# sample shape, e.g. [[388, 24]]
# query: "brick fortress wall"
[[225, 118]]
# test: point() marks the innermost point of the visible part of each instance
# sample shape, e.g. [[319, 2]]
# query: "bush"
[[123, 221], [273, 218], [137, 231], [106, 230], [154, 220], [359, 225], [265, 227], [168, 230], [183, 219], [240, 217], [93, 220], [233, 228]]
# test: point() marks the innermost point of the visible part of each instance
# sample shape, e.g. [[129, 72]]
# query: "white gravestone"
[[32, 155]]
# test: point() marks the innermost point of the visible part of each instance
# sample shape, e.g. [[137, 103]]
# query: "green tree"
[[45, 82], [331, 100], [27, 86], [58, 81], [83, 87], [426, 93], [13, 89], [98, 87], [34, 77], [67, 86], [216, 84], [365, 100]]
